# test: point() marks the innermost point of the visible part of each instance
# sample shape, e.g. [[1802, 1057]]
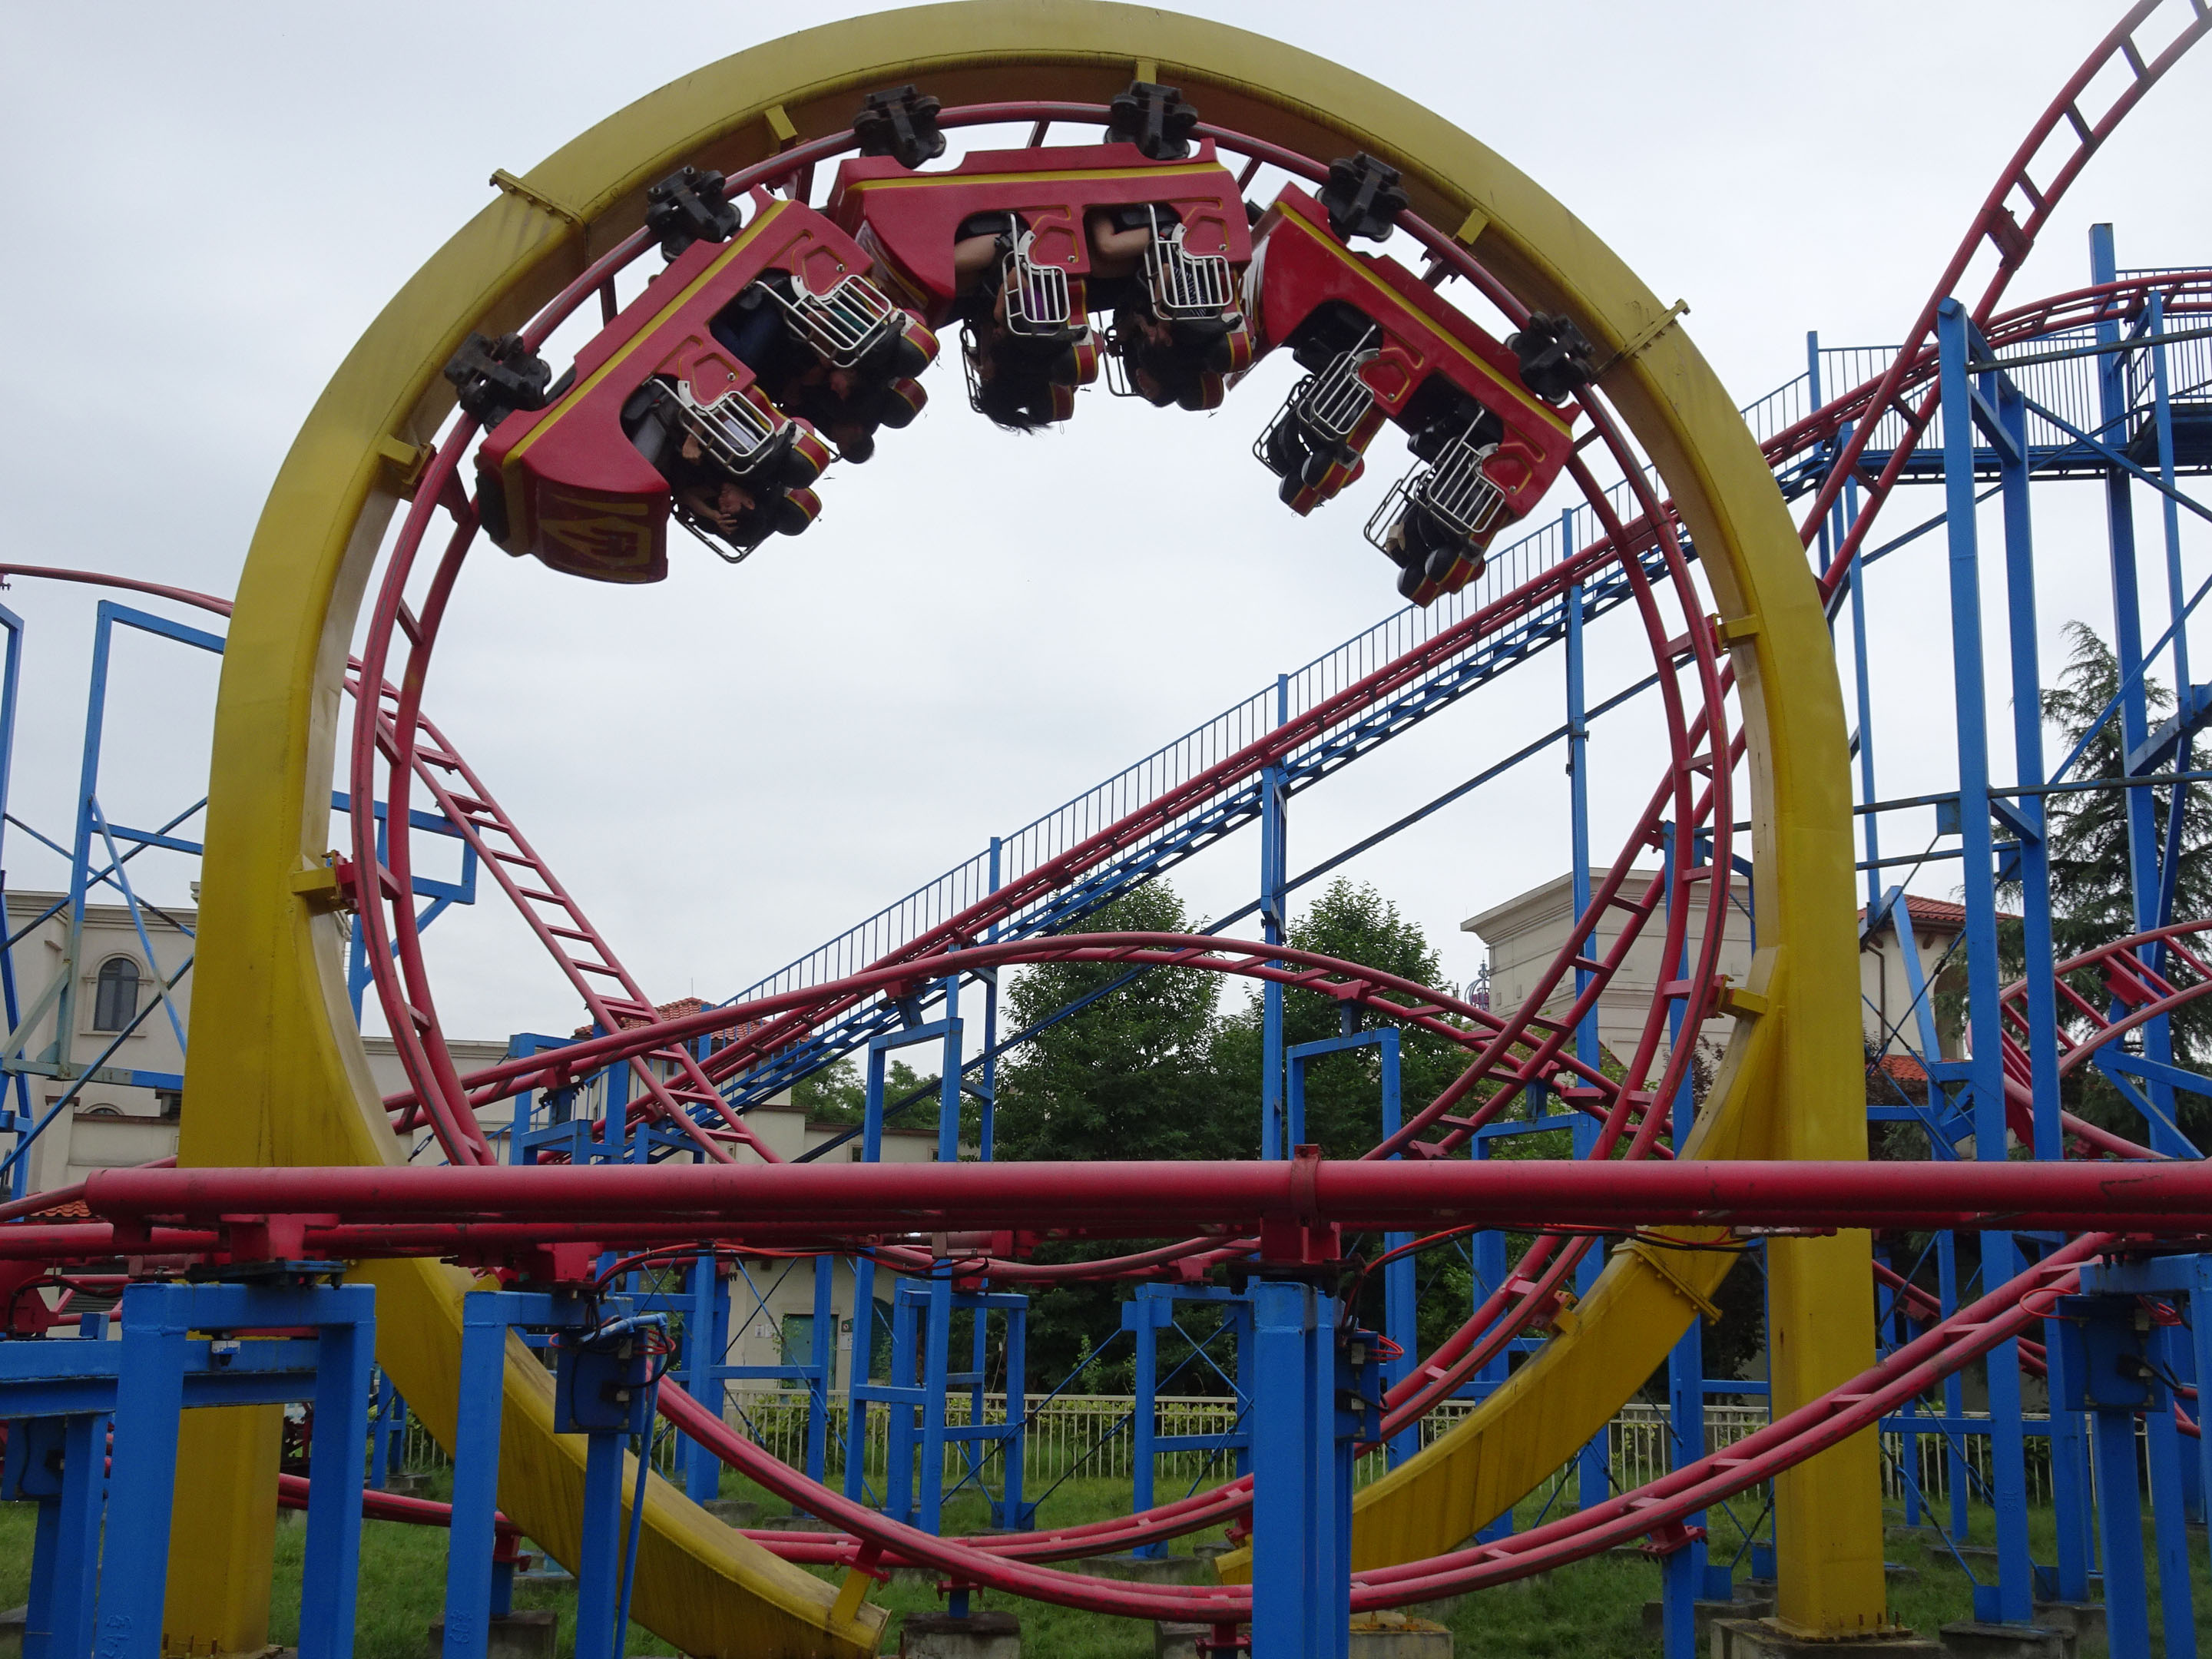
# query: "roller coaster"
[[693, 314]]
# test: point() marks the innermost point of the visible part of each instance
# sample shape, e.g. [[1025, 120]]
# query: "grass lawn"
[[1592, 1610]]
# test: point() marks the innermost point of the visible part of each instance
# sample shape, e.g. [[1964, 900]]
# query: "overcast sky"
[[212, 203]]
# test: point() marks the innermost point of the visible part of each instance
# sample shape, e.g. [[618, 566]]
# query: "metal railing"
[[1089, 1435]]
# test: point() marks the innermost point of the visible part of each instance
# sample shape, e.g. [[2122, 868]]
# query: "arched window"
[[115, 999]]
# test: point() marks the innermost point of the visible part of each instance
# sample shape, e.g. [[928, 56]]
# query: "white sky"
[[212, 202]]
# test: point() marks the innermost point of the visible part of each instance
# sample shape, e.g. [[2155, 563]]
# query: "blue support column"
[[150, 1394], [477, 1424], [1314, 1398], [1967, 408], [20, 1118], [598, 1564], [1594, 1465], [329, 1580], [1399, 1291], [2143, 851], [2106, 1380], [1140, 1317], [1143, 1317], [1274, 922], [823, 1382], [2069, 1468], [474, 1586], [706, 1350]]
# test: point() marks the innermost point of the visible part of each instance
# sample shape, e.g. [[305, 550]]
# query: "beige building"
[[128, 1112], [1526, 933]]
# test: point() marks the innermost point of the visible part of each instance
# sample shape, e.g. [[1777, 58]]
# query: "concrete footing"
[[1762, 1638], [733, 1511], [411, 1484], [524, 1635], [11, 1630], [1972, 1641], [1655, 1615], [2086, 1620], [1394, 1635], [1137, 1569], [988, 1635]]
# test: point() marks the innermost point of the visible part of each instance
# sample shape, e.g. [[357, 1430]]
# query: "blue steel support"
[[1864, 692], [1682, 1573], [901, 1392], [21, 1117], [1966, 407], [1400, 1316], [706, 1347], [823, 1382], [59, 1464], [150, 1391], [330, 1578], [598, 1565], [149, 1395], [2191, 700], [1594, 1465], [2069, 1469], [2099, 1331], [1275, 923], [1313, 1399], [988, 1093], [486, 1318], [1143, 1317], [2144, 860]]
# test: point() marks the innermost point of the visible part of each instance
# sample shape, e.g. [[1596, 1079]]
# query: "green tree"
[[1129, 1076], [839, 1094]]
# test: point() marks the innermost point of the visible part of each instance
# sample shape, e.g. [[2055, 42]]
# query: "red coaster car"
[[1379, 345], [701, 400], [1022, 245]]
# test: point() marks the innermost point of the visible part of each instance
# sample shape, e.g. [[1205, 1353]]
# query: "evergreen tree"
[[2092, 899]]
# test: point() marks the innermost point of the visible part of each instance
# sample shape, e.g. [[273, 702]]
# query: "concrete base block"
[[1897, 1572], [986, 1635], [798, 1523], [524, 1635], [1137, 1569], [1655, 1615], [1172, 1640], [733, 1511], [412, 1484], [2085, 1619], [1394, 1635], [11, 1632], [1972, 1641], [1762, 1638]]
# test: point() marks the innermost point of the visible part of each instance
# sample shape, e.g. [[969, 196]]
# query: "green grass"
[[1591, 1610]]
